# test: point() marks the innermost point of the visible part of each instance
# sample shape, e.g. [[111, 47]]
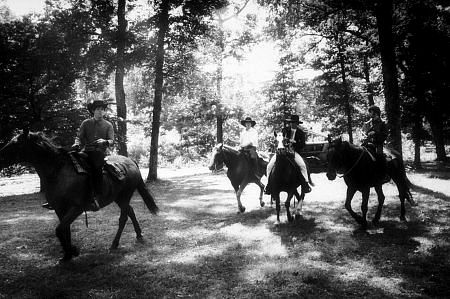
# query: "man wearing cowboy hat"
[[249, 141], [375, 129], [297, 139], [376, 133], [94, 137]]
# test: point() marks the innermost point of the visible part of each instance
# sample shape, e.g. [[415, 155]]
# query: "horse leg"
[[261, 187], [238, 195], [348, 204], [287, 205], [64, 235], [122, 221], [276, 196], [364, 206], [137, 227], [379, 190], [300, 198]]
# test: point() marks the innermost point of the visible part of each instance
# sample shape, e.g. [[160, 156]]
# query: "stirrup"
[[93, 206]]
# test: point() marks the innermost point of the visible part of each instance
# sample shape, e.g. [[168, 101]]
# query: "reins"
[[354, 165]]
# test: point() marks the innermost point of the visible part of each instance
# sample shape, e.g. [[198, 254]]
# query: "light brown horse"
[[68, 191]]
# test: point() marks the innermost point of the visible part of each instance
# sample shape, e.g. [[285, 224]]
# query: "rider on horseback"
[[376, 134], [95, 136], [297, 138], [249, 141]]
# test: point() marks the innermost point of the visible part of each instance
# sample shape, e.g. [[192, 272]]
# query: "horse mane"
[[45, 142], [231, 149]]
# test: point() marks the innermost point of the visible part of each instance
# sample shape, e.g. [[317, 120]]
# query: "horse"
[[67, 191], [239, 171], [285, 177], [360, 172]]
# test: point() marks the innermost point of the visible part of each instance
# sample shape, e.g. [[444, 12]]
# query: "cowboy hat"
[[97, 103], [248, 120], [294, 119]]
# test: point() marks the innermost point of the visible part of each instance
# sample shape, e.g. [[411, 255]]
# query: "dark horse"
[[360, 172], [239, 171], [285, 177], [67, 191]]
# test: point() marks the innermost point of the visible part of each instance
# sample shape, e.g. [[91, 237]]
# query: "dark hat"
[[248, 120], [294, 119], [97, 103], [375, 109]]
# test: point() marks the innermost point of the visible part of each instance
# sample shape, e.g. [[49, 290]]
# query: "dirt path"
[[200, 247]]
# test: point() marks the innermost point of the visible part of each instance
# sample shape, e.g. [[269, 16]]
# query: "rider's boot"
[[305, 185]]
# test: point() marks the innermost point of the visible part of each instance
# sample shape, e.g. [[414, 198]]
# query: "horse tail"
[[403, 183], [147, 197]]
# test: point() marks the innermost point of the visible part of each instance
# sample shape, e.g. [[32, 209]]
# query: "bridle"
[[353, 166]]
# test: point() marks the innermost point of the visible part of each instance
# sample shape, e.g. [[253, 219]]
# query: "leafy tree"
[[192, 19]]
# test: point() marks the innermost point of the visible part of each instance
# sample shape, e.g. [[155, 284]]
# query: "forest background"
[[181, 74]]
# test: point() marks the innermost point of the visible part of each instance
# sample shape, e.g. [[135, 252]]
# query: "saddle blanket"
[[116, 170]]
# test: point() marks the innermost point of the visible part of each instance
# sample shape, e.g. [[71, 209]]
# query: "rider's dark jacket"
[[299, 137], [381, 132]]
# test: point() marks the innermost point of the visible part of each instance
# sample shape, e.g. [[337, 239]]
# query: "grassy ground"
[[200, 247]]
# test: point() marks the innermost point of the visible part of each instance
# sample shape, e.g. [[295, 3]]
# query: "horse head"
[[25, 147], [216, 157], [334, 156], [13, 151]]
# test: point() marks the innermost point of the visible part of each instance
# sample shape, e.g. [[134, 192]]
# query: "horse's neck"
[[230, 158], [351, 155], [46, 163]]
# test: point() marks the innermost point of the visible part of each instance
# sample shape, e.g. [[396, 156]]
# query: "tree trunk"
[[159, 80], [436, 124], [219, 83], [120, 71], [348, 108], [383, 12], [417, 129]]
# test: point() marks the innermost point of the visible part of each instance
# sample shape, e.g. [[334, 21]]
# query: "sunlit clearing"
[[425, 245], [268, 244], [193, 255], [260, 272], [364, 271], [173, 216], [193, 233]]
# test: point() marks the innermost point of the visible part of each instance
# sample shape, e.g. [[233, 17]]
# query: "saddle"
[[82, 166], [290, 156]]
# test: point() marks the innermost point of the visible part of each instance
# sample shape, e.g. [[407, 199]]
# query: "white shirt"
[[249, 137]]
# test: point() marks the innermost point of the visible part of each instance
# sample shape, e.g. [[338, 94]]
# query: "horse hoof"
[[66, 258], [241, 210], [114, 246], [262, 204], [403, 218], [375, 222], [140, 240]]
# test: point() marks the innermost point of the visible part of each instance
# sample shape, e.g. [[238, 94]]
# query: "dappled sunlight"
[[195, 254], [267, 243], [193, 233], [26, 217]]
